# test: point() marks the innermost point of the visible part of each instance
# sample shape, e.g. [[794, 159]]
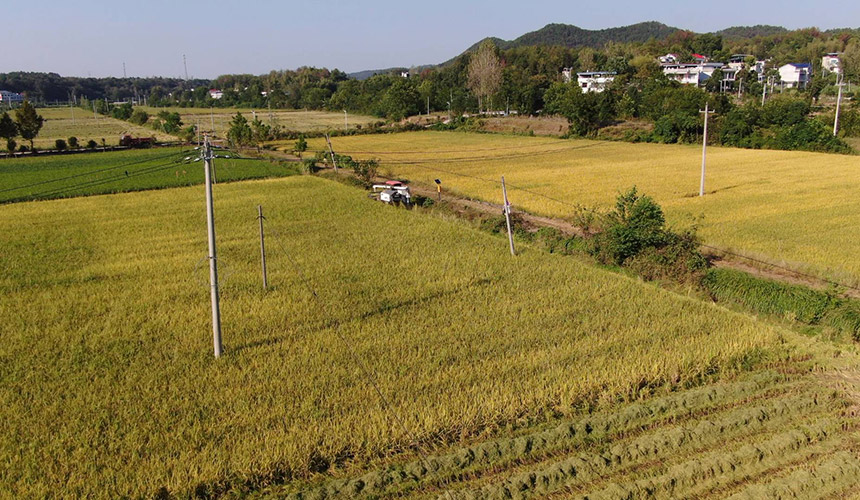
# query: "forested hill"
[[571, 36], [738, 32]]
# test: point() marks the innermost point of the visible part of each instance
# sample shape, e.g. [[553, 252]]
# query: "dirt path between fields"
[[470, 208]]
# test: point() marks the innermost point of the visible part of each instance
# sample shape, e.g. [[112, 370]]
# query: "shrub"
[[139, 117], [365, 170], [91, 144], [60, 145], [309, 165], [73, 142], [634, 235], [11, 145]]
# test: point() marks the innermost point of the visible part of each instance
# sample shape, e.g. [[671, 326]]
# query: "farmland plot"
[[62, 123], [109, 387], [795, 208], [62, 176]]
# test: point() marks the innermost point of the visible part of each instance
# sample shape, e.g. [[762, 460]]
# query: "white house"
[[404, 74], [690, 74], [7, 97], [738, 61], [830, 63], [595, 81], [216, 93], [669, 59], [795, 75]]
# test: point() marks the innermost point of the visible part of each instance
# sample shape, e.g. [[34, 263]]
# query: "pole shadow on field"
[[382, 309]]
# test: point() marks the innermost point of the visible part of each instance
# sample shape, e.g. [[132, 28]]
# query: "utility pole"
[[704, 149], [508, 216], [345, 121], [839, 84], [123, 70], [94, 111], [331, 152], [428, 106], [763, 90], [213, 264], [451, 100], [263, 247], [185, 63]]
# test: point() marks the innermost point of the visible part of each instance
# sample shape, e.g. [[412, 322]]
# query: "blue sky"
[[94, 38]]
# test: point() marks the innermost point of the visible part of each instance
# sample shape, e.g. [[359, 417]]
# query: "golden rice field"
[[109, 387], [796, 208], [218, 119], [62, 123]]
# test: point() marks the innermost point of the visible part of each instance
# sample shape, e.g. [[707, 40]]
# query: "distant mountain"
[[736, 32], [571, 36]]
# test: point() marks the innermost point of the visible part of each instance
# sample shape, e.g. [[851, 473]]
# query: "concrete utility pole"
[[839, 84], [704, 149], [213, 264], [508, 216], [185, 63], [123, 70], [263, 247], [345, 121], [331, 152]]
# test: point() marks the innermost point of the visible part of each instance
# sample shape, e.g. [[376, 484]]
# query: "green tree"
[[139, 117], [8, 131], [73, 142], [28, 122], [60, 145], [260, 132], [301, 146], [240, 133]]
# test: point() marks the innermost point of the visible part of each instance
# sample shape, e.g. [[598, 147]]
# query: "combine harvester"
[[393, 193]]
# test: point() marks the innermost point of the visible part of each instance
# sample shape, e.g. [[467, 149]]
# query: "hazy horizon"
[[93, 38]]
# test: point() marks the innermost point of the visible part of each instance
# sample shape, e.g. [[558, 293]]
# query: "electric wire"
[[84, 174], [93, 183]]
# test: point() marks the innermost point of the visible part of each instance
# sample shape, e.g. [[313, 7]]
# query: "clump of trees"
[[27, 124]]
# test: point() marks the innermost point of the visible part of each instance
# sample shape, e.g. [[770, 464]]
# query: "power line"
[[572, 205], [505, 148], [93, 183], [84, 174], [784, 268]]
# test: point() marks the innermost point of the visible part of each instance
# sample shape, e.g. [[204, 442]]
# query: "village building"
[[691, 73], [795, 75], [830, 63], [9, 98], [216, 93], [595, 81]]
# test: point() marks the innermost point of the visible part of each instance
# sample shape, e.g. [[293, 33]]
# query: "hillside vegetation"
[[568, 35], [110, 389]]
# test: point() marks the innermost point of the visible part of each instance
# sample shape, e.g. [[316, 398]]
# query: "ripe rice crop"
[[218, 120], [62, 123], [109, 387], [794, 208]]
